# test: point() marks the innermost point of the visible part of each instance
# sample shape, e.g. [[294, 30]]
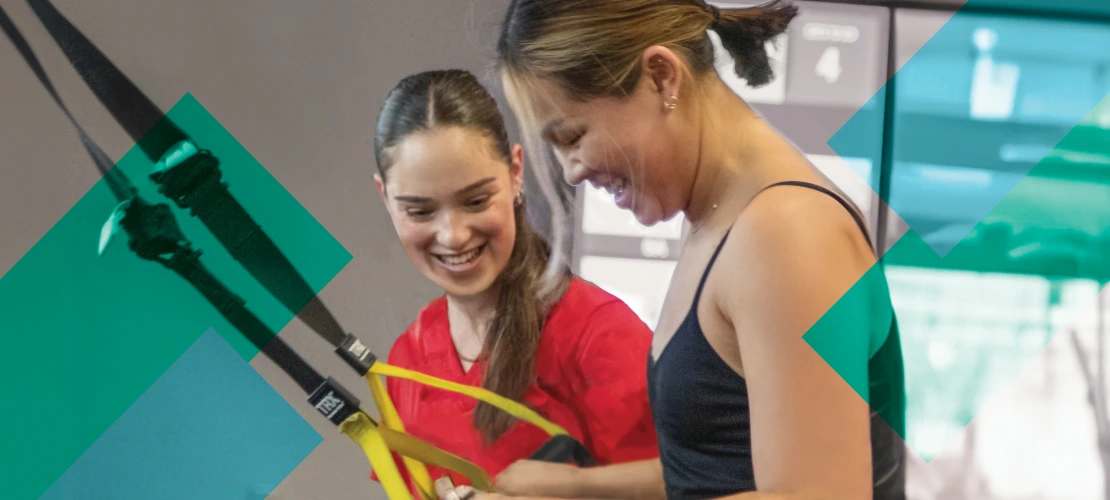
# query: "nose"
[[574, 173], [453, 231]]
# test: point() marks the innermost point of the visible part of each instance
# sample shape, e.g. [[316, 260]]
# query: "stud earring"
[[671, 105]]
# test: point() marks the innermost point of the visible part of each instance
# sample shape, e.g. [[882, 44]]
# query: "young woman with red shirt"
[[452, 184]]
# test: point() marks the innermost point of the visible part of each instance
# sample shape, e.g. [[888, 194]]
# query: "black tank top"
[[700, 407]]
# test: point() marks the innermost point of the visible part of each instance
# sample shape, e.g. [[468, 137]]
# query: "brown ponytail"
[[745, 32], [455, 98], [593, 49], [514, 333]]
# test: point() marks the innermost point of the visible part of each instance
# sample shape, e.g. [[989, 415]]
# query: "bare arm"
[[634, 480], [638, 480], [810, 428]]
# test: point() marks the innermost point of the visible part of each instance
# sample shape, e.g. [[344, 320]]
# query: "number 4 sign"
[[837, 54], [828, 66]]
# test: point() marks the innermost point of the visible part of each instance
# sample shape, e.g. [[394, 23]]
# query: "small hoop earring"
[[671, 105]]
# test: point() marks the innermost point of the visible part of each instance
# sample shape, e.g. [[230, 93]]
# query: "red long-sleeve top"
[[591, 380]]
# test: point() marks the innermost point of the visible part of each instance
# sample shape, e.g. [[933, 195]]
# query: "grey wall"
[[299, 85]]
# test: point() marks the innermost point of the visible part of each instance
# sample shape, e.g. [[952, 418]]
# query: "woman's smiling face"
[[451, 196]]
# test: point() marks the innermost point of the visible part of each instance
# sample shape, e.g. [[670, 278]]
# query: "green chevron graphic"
[[1037, 239], [86, 336]]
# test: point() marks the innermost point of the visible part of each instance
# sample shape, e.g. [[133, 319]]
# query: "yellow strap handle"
[[410, 446], [391, 420], [380, 442], [367, 434], [512, 407]]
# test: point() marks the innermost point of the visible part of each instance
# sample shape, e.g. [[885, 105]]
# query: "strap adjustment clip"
[[356, 354]]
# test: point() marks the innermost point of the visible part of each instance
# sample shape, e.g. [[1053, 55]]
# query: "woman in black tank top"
[[627, 94]]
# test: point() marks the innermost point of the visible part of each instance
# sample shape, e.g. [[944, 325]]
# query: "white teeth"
[[458, 260]]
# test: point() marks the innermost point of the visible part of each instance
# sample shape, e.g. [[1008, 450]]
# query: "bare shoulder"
[[791, 254]]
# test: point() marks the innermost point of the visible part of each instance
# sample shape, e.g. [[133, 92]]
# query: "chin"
[[460, 284], [464, 287], [646, 216], [646, 220]]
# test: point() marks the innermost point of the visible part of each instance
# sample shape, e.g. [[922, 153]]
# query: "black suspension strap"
[[190, 176], [155, 236]]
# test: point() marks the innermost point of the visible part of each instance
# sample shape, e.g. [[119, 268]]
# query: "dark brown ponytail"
[[514, 333], [455, 98], [745, 32], [593, 49]]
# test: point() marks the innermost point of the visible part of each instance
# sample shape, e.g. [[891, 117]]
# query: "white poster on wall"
[[641, 284]]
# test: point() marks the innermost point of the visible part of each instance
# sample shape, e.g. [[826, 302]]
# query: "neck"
[[470, 315], [728, 172]]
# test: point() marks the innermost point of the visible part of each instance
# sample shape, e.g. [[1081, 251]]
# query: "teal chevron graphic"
[[1000, 166], [971, 119], [205, 429], [86, 336], [1070, 6]]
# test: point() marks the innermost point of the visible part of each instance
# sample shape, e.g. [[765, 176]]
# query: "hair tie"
[[716, 13]]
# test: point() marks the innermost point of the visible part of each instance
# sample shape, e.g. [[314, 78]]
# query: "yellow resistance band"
[[392, 420], [512, 407], [378, 442], [364, 431]]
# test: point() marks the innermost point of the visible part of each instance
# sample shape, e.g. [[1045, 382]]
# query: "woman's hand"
[[446, 490], [539, 479], [465, 492]]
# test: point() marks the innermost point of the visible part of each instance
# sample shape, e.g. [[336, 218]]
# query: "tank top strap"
[[844, 203], [708, 267], [859, 222]]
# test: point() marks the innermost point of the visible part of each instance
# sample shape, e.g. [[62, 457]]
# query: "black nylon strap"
[[202, 191], [163, 236], [134, 111], [120, 186], [195, 184], [233, 308]]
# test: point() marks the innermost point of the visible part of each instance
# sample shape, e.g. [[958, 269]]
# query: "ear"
[[381, 190], [662, 72], [516, 168]]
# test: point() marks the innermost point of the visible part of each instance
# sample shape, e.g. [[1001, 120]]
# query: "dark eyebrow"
[[549, 129], [413, 199], [475, 186], [421, 199]]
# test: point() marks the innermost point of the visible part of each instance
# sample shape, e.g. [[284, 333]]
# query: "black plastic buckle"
[[356, 354], [190, 180], [333, 401]]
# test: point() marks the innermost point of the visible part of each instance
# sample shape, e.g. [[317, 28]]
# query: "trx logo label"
[[330, 405]]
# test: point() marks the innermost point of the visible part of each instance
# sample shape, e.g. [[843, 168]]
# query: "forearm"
[[811, 495], [631, 480]]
